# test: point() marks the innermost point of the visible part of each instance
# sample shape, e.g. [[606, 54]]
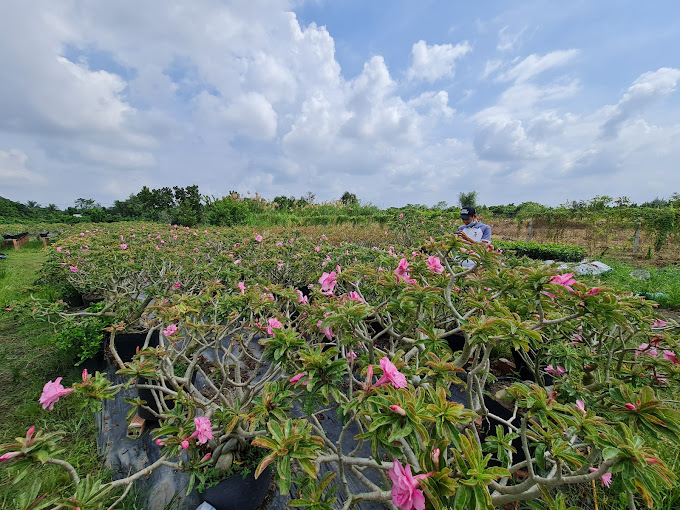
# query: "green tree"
[[348, 198], [467, 198]]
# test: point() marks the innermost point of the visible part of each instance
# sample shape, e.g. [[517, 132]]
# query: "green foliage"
[[467, 198], [226, 211], [551, 251], [82, 336]]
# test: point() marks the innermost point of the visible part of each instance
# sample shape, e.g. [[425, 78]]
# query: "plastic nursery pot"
[[127, 344], [237, 493], [96, 362], [91, 298]]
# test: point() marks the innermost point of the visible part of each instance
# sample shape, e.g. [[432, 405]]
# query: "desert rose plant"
[[267, 335]]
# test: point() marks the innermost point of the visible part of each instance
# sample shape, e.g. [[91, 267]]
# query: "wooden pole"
[[636, 243], [529, 229]]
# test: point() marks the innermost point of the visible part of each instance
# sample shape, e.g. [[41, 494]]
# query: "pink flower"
[[9, 455], [160, 442], [565, 280], [559, 371], [274, 323], [658, 323], [581, 406], [630, 407], [203, 430], [177, 285], [328, 282], [123, 246], [206, 457], [258, 239], [185, 444], [435, 456], [84, 375], [242, 287], [170, 330], [606, 478], [74, 269], [351, 355], [302, 299], [326, 331], [435, 265], [646, 350], [59, 248], [391, 374], [670, 356], [296, 378], [354, 296], [317, 249], [405, 492], [402, 269], [593, 291], [52, 392], [401, 215], [398, 409]]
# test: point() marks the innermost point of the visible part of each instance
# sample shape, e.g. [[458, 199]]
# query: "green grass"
[[664, 280], [28, 359]]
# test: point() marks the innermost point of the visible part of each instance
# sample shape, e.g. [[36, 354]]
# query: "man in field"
[[473, 230]]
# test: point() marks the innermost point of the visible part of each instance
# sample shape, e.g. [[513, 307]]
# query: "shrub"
[[552, 251]]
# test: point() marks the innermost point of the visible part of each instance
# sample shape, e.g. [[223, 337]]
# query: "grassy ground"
[[663, 285], [28, 359]]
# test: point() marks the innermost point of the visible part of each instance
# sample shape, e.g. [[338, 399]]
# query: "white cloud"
[[507, 40], [13, 171], [491, 67], [533, 65], [252, 115], [431, 63], [646, 89]]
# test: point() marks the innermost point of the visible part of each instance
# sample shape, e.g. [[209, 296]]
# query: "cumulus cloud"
[[431, 63], [646, 89]]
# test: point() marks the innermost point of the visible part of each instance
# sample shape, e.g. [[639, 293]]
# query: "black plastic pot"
[[96, 362], [237, 493], [489, 428], [128, 343], [46, 234], [90, 299], [456, 342]]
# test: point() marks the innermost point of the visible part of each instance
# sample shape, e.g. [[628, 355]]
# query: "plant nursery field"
[[385, 365]]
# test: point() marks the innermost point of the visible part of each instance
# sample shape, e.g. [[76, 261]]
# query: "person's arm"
[[486, 233]]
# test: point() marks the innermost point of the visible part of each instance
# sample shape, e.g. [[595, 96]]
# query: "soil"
[[495, 387]]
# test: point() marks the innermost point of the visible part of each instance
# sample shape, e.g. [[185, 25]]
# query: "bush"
[[82, 336], [552, 251]]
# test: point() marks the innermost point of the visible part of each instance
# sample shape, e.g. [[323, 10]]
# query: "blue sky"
[[398, 102]]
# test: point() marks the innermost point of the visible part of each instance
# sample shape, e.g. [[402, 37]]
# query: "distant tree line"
[[186, 206]]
